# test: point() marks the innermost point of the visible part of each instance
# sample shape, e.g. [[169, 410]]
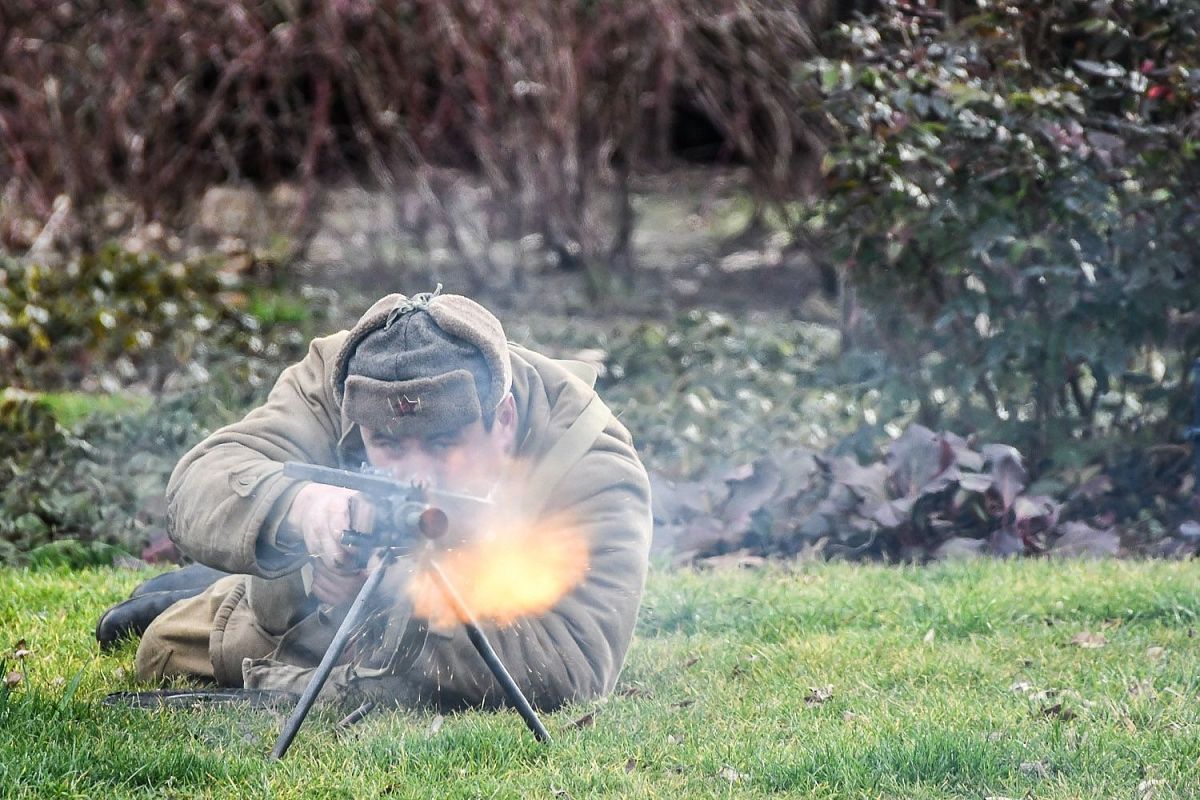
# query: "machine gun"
[[406, 518]]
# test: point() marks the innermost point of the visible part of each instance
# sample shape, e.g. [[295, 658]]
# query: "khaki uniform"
[[227, 499]]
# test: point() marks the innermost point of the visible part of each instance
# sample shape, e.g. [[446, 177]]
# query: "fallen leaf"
[[819, 694], [1007, 472], [849, 716], [1088, 640], [58, 681], [633, 690], [586, 721], [959, 449], [691, 662], [1146, 788], [671, 502], [915, 459], [975, 482], [750, 494], [1004, 542], [740, 559], [730, 774], [1143, 688], [683, 703], [248, 735], [630, 765], [928, 637], [1058, 710], [13, 678], [892, 514], [1080, 540], [435, 725], [865, 482], [1021, 686], [705, 533], [798, 467], [959, 548], [1155, 653], [1036, 769], [673, 739]]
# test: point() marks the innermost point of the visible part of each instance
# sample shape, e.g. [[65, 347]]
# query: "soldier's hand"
[[319, 515], [333, 586]]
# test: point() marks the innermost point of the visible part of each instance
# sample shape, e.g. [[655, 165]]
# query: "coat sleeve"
[[575, 650], [227, 496]]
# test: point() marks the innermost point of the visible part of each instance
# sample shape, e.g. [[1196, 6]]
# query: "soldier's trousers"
[[205, 636]]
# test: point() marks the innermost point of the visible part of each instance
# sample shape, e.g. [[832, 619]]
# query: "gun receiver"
[[406, 518]]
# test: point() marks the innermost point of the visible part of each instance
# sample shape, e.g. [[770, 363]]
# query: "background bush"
[[1014, 193], [1011, 191], [551, 103]]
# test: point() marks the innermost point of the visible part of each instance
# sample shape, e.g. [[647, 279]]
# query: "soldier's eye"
[[385, 443]]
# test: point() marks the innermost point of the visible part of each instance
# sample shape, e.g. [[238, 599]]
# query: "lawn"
[[994, 679]]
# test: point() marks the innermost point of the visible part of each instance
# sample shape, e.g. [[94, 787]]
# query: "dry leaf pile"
[[933, 496]]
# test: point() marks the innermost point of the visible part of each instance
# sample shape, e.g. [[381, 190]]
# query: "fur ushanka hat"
[[421, 365]]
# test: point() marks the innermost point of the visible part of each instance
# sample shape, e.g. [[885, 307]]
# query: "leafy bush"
[[1015, 195], [933, 496], [173, 334], [705, 388], [116, 318]]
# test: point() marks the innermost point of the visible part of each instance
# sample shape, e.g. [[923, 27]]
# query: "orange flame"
[[505, 574]]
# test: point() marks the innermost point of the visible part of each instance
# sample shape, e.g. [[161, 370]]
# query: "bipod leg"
[[488, 653], [321, 674]]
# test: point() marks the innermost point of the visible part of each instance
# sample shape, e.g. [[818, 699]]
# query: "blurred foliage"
[[761, 439], [550, 103], [707, 390], [932, 496], [99, 482], [115, 318], [146, 357], [1014, 195]]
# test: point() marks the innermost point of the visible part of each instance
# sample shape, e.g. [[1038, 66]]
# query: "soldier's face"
[[467, 460]]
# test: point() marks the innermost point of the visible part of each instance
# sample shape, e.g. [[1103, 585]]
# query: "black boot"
[[151, 598], [133, 616], [193, 576]]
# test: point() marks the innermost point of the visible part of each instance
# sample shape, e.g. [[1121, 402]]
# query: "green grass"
[[954, 681], [72, 408]]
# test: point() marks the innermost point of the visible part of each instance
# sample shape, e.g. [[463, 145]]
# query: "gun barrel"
[[358, 481], [378, 485]]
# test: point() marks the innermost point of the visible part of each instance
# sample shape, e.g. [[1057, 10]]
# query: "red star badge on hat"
[[404, 405]]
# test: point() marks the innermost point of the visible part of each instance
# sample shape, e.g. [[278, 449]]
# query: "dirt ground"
[[694, 245]]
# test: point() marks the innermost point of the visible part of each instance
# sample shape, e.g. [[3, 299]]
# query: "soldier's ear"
[[505, 422]]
